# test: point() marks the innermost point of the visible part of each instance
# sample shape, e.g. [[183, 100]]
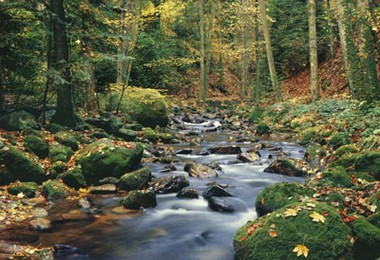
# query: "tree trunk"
[[203, 87], [330, 27], [313, 50], [2, 89], [65, 111], [245, 53], [366, 52], [120, 65], [268, 45], [208, 47], [350, 56]]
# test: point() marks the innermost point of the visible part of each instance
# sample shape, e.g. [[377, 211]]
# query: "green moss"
[[309, 135], [262, 129], [338, 140], [314, 153], [74, 178], [29, 189], [67, 139], [375, 199], [59, 152], [57, 168], [369, 162], [150, 135], [138, 199], [278, 195], [328, 240], [336, 177], [37, 145], [374, 219], [54, 128], [135, 180], [368, 239], [256, 114], [55, 189], [344, 149]]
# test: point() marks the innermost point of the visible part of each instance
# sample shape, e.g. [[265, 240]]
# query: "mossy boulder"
[[67, 139], [314, 154], [59, 152], [336, 177], [107, 158], [146, 106], [262, 129], [150, 135], [345, 149], [368, 239], [278, 195], [138, 199], [369, 162], [5, 176], [310, 135], [275, 236], [289, 167], [338, 140], [21, 167], [106, 121], [29, 189], [54, 128], [55, 189], [256, 114], [74, 178], [135, 180], [37, 145], [18, 121], [127, 134]]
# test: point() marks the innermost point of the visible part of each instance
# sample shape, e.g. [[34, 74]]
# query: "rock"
[[37, 145], [335, 177], [5, 176], [40, 224], [106, 158], [54, 128], [68, 252], [225, 150], [278, 195], [109, 180], [138, 199], [289, 167], [216, 190], [338, 140], [314, 154], [134, 126], [84, 203], [218, 204], [20, 167], [146, 106], [256, 114], [368, 239], [67, 139], [54, 189], [59, 152], [184, 151], [39, 212], [169, 184], [74, 215], [29, 189], [136, 180], [248, 157], [57, 168], [262, 129], [188, 194], [107, 122], [127, 134], [18, 121], [103, 189], [167, 138], [74, 178], [150, 135], [200, 171], [276, 235]]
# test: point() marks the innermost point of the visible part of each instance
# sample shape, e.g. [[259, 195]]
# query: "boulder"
[[37, 145], [103, 189], [262, 129], [106, 121], [150, 135], [278, 195], [218, 204], [138, 199], [135, 180], [74, 178], [18, 121], [29, 189], [216, 190], [20, 167], [59, 152], [127, 134], [225, 150], [187, 193], [335, 177], [314, 228], [248, 157], [289, 167], [40, 224], [55, 189], [146, 106], [106, 158], [368, 239], [67, 139], [200, 170], [169, 184]]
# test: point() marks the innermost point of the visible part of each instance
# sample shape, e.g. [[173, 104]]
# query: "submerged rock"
[[138, 199]]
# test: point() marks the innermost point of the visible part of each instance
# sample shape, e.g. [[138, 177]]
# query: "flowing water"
[[178, 228]]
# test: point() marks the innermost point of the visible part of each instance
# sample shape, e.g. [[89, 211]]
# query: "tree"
[[313, 49], [268, 45], [65, 110]]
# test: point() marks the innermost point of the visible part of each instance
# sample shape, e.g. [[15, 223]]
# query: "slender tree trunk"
[[268, 45], [330, 26], [245, 53], [208, 46], [366, 52], [2, 89], [350, 56], [203, 87], [48, 81], [65, 110], [313, 50], [120, 65]]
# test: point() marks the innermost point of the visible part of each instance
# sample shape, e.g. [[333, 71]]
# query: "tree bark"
[[65, 110], [330, 28], [245, 54], [203, 87], [2, 89], [313, 48], [268, 45]]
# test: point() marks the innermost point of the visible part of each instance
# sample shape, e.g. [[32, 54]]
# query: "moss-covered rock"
[[59, 152], [262, 129], [369, 162], [150, 135], [106, 121], [345, 149], [375, 199], [336, 177], [138, 199], [368, 239], [256, 114], [314, 154], [278, 195], [29, 189], [5, 176], [338, 140], [289, 167], [21, 167], [146, 106], [309, 135], [135, 180], [67, 139], [57, 168], [127, 134], [37, 145], [54, 128], [55, 189], [74, 178], [276, 235], [107, 158], [18, 121]]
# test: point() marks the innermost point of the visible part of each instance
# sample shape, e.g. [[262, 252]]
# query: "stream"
[[178, 228]]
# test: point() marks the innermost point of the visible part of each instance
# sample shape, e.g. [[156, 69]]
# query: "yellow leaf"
[[272, 233], [290, 212], [301, 250], [317, 217]]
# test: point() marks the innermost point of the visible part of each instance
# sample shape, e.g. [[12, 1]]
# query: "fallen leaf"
[[272, 233], [372, 208], [317, 217], [301, 250], [243, 237], [262, 200], [273, 226], [290, 212]]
